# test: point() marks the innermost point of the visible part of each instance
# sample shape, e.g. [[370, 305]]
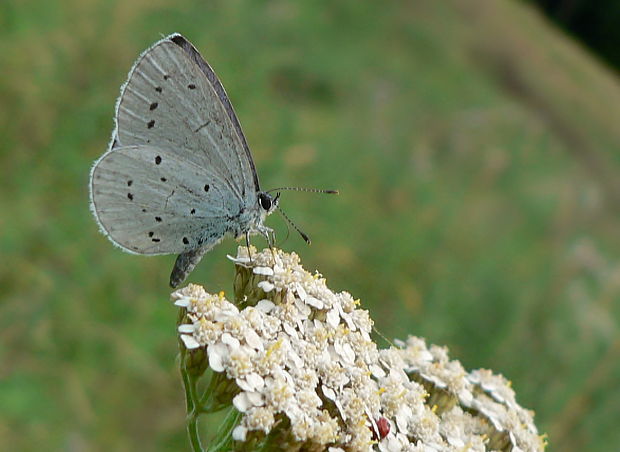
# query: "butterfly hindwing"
[[151, 201]]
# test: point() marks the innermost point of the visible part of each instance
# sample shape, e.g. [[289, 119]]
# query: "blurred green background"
[[476, 150]]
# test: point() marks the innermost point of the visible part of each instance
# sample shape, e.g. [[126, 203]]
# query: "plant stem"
[[223, 436], [206, 401], [193, 409], [189, 401], [192, 431]]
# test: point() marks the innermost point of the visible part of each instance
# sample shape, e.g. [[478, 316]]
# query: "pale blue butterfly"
[[178, 176]]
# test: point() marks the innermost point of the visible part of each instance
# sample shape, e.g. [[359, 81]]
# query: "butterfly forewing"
[[150, 201], [170, 102]]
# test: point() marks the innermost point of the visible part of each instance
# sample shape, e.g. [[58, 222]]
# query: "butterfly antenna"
[[289, 221], [312, 190], [288, 234]]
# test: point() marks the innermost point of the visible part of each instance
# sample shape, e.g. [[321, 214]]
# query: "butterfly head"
[[267, 202]]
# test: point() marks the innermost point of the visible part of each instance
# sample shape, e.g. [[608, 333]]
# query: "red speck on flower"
[[383, 428]]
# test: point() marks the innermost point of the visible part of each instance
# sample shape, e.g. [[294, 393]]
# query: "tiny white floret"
[[189, 341]]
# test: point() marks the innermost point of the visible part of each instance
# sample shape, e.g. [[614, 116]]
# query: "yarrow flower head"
[[298, 363]]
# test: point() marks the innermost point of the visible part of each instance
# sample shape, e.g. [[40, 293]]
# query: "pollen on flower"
[[307, 375], [273, 347], [260, 418]]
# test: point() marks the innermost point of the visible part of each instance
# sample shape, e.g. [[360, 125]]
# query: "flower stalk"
[[297, 368]]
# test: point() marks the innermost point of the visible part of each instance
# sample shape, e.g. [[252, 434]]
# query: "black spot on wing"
[[193, 211], [158, 89], [158, 219], [163, 179], [129, 182], [130, 196], [185, 241], [207, 187], [191, 86], [150, 124], [157, 160], [153, 106]]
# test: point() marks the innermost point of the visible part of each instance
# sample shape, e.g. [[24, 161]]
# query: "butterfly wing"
[[152, 201], [173, 100]]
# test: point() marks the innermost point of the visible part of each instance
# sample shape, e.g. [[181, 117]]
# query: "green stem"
[[191, 402], [205, 402], [193, 393], [192, 431], [224, 433]]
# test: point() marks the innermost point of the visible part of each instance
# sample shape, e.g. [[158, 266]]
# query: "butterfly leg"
[[270, 235], [247, 244], [185, 263]]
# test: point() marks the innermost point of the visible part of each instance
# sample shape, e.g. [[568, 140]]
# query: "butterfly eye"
[[265, 201]]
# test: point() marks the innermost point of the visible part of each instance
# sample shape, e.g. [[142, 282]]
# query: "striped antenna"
[[289, 221], [285, 216], [313, 190]]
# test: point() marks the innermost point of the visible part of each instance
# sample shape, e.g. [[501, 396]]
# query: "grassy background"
[[476, 150]]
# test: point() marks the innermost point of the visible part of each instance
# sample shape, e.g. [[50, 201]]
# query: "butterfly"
[[178, 176]]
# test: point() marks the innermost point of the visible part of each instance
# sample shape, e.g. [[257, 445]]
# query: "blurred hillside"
[[476, 149], [594, 23]]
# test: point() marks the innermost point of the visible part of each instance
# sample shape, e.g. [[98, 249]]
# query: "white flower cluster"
[[309, 375]]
